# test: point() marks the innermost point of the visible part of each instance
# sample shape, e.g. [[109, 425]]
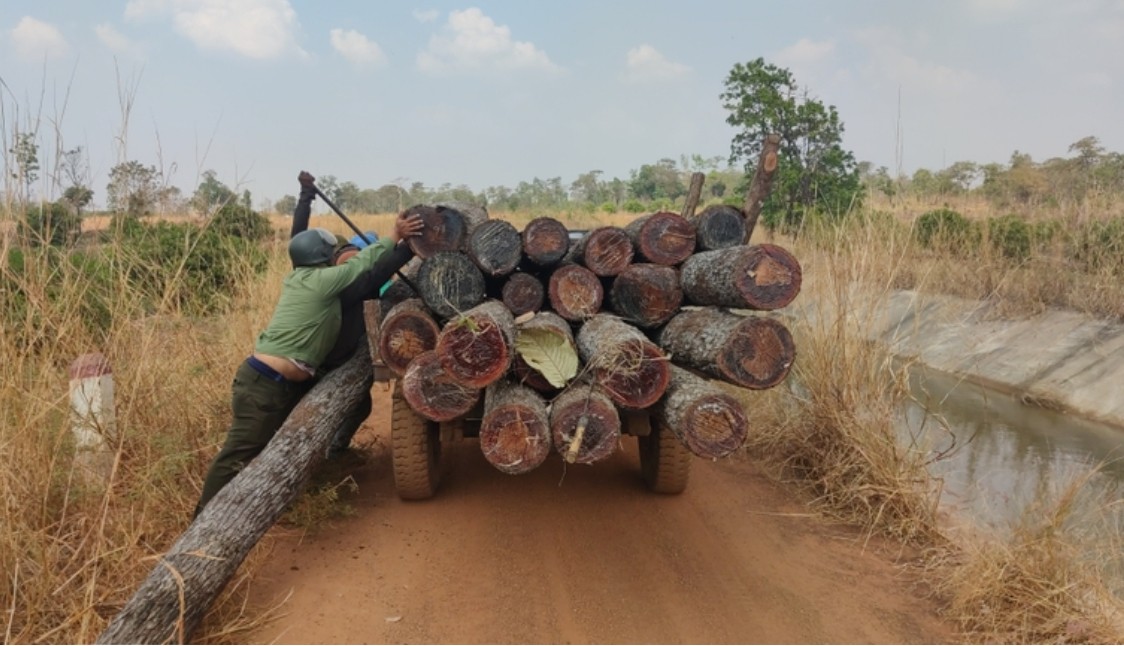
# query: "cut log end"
[[545, 241], [606, 251], [523, 293], [770, 278], [450, 283], [758, 355], [445, 230], [646, 295], [496, 247], [575, 292], [407, 331], [718, 426], [633, 373], [475, 349], [515, 438], [433, 393], [664, 238], [720, 226], [584, 425]]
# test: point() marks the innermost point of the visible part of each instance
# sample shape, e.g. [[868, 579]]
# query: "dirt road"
[[584, 555]]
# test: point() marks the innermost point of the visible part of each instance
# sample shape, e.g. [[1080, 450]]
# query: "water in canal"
[[1005, 456]]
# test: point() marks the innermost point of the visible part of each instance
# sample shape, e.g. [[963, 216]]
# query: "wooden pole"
[[762, 183], [693, 194]]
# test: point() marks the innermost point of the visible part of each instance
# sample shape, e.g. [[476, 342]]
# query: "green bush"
[[634, 206], [1099, 246], [944, 229], [53, 223], [1011, 236], [608, 207], [242, 222]]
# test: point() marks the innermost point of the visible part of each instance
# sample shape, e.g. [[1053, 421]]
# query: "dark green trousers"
[[260, 406]]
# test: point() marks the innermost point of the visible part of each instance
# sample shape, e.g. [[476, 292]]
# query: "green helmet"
[[312, 247]]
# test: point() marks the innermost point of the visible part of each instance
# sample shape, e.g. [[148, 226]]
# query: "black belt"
[[265, 370]]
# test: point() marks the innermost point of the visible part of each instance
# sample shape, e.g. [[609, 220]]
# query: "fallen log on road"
[[170, 603]]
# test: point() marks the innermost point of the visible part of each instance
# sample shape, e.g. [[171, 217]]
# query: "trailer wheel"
[[416, 451], [664, 462]]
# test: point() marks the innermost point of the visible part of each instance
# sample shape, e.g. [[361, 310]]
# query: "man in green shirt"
[[288, 353]]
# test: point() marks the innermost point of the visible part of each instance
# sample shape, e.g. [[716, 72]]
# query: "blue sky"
[[494, 93]]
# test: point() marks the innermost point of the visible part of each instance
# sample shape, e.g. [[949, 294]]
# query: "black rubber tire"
[[665, 462], [416, 451]]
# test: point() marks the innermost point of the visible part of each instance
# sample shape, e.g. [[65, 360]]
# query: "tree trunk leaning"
[[523, 293], [606, 251], [406, 331], [496, 247], [719, 226], [710, 422], [575, 292], [762, 183], [662, 238], [546, 242], [433, 393], [757, 277], [475, 348], [693, 194], [584, 424], [631, 370], [445, 230], [748, 351], [170, 603], [515, 431], [646, 295], [449, 284]]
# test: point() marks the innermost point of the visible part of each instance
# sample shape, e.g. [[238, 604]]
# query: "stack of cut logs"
[[559, 337]]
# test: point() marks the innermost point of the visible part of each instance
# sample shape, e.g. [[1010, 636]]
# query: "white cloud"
[[113, 39], [428, 15], [472, 41], [645, 63], [258, 29], [35, 39], [356, 47], [889, 61], [804, 52]]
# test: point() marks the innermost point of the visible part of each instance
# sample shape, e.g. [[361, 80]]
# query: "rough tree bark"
[[449, 283], [646, 295], [584, 424], [719, 226], [172, 600], [548, 323], [631, 370], [515, 430], [662, 238], [475, 348], [545, 242], [575, 292], [406, 331], [496, 247], [522, 293], [433, 393], [748, 351], [756, 277], [606, 251], [710, 422], [445, 230], [762, 183], [693, 194]]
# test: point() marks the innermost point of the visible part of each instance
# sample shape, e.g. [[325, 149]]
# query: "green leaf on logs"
[[550, 353]]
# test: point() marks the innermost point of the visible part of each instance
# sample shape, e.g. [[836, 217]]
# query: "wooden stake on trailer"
[[693, 195], [762, 183]]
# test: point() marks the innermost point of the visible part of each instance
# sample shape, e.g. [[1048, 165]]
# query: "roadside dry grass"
[[831, 431]]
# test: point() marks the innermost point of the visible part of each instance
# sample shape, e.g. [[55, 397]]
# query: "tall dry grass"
[[834, 430], [72, 548]]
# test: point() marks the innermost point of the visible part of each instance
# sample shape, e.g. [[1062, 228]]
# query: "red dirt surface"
[[584, 554]]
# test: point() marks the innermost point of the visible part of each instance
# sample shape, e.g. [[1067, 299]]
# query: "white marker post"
[[92, 416]]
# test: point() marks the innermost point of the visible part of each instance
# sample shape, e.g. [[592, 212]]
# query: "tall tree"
[[814, 171], [134, 189], [211, 194]]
